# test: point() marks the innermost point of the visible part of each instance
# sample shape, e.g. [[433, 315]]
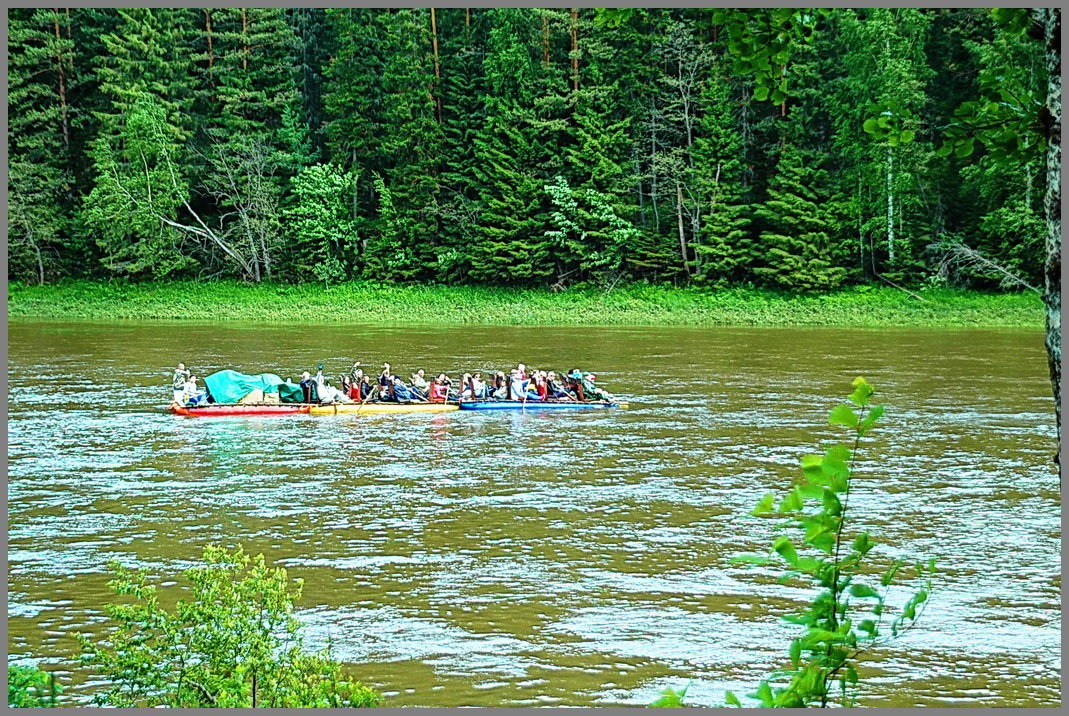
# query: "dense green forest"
[[527, 147]]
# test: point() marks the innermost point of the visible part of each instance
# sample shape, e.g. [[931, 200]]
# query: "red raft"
[[213, 409]]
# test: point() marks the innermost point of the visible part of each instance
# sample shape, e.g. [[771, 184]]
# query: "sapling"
[[850, 614]]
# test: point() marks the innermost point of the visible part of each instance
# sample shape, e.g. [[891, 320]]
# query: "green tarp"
[[229, 386]]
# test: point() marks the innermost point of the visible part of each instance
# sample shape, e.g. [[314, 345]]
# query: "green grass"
[[635, 304]]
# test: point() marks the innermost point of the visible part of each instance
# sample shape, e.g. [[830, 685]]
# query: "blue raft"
[[534, 404]]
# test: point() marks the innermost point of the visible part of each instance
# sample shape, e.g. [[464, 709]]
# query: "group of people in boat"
[[521, 383], [359, 386]]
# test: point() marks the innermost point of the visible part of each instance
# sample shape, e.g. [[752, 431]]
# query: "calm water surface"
[[529, 559]]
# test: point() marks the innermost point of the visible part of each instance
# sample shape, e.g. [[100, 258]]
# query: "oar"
[[368, 397]]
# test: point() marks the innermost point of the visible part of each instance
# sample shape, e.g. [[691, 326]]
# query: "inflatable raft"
[[356, 408], [220, 409], [535, 404], [217, 409]]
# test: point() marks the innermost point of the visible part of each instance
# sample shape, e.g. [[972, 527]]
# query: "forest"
[[521, 147]]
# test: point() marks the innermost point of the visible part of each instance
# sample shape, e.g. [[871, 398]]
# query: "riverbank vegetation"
[[231, 641], [524, 147], [630, 304]]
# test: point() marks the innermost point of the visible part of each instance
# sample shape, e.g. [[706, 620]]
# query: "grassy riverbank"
[[637, 304]]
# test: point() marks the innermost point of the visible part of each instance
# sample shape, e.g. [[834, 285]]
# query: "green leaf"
[[750, 559], [843, 415], [791, 502], [875, 413], [764, 506], [785, 548], [889, 575], [764, 693], [863, 590], [732, 699], [862, 543], [671, 699], [870, 125], [906, 136], [760, 93], [832, 505], [796, 652], [964, 149], [825, 543], [862, 392]]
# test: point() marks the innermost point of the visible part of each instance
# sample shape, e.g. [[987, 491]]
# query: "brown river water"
[[526, 559]]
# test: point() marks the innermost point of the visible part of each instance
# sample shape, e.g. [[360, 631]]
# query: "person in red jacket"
[[439, 389]]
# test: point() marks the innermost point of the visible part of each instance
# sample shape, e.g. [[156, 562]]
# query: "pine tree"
[[509, 244], [40, 77], [146, 55], [801, 222], [724, 247], [411, 143], [462, 94], [315, 45]]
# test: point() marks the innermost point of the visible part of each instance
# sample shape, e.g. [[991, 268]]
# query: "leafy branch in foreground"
[[31, 688], [850, 615], [234, 644]]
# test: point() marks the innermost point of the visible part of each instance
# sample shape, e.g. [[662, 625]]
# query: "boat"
[[357, 408], [219, 409], [537, 404]]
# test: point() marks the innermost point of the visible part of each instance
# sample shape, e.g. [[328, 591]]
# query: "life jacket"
[[438, 393]]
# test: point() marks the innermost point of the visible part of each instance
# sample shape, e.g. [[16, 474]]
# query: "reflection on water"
[[477, 558]]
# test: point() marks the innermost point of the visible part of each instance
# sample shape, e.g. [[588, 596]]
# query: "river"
[[522, 559]]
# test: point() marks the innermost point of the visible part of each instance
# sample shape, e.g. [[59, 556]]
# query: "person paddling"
[[419, 383], [553, 390]]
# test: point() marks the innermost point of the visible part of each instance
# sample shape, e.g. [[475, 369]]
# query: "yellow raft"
[[345, 408]]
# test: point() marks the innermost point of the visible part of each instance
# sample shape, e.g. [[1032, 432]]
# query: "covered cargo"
[[229, 386]]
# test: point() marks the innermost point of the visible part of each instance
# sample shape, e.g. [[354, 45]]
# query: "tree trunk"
[[211, 55], [890, 208], [1050, 18], [653, 168], [40, 265], [437, 66], [682, 234], [575, 49], [244, 39], [545, 40], [62, 83]]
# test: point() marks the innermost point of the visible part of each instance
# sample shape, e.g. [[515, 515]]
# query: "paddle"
[[366, 398]]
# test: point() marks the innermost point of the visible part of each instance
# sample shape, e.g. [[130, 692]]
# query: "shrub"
[[234, 644]]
